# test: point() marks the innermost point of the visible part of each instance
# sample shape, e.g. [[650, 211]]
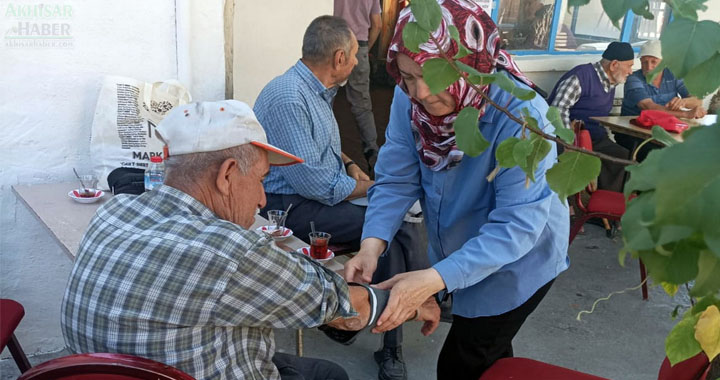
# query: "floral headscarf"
[[435, 135]]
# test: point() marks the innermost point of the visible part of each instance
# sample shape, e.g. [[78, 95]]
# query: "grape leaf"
[[635, 227], [644, 176], [678, 268], [708, 278], [428, 13], [577, 3], [439, 74], [686, 44], [502, 81], [566, 134], [540, 149], [462, 50], [467, 133], [670, 289], [521, 151], [616, 9], [414, 36], [468, 69], [688, 187], [572, 173], [663, 136], [680, 344], [454, 33], [704, 78], [504, 152], [707, 332], [703, 303], [687, 8]]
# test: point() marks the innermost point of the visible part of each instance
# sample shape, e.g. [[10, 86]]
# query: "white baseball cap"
[[651, 48], [211, 126]]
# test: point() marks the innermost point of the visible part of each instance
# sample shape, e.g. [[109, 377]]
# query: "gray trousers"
[[344, 221], [357, 92], [612, 175]]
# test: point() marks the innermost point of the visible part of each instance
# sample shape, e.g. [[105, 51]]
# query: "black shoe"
[[390, 361]]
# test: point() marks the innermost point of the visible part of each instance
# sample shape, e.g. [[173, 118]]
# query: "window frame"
[[625, 31]]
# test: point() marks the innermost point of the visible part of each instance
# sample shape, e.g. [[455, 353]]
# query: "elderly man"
[[175, 275], [588, 90], [363, 17], [296, 111], [665, 93]]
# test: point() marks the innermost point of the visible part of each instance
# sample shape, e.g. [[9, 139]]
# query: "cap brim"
[[277, 156]]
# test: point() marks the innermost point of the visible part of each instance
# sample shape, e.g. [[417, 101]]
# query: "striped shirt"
[[295, 109], [161, 276], [569, 92]]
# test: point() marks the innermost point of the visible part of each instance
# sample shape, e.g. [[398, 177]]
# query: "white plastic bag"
[[123, 130]]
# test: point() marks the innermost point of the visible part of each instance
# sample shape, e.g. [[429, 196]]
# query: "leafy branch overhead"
[[671, 218]]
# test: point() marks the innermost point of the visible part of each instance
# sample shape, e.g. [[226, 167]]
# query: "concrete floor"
[[623, 338]]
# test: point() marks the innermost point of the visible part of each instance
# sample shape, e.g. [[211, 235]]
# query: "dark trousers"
[[293, 367], [474, 344], [612, 175]]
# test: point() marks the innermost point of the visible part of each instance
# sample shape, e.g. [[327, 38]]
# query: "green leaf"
[[670, 289], [454, 33], [616, 9], [678, 268], [650, 77], [521, 152], [680, 344], [688, 184], [467, 133], [636, 220], [663, 136], [707, 332], [462, 51], [502, 81], [414, 36], [554, 117], [708, 278], [504, 152], [644, 176], [686, 44], [703, 303], [540, 149], [469, 69], [439, 74], [577, 3], [704, 78], [427, 13], [572, 173], [687, 8]]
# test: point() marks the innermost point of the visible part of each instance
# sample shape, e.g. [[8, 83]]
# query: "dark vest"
[[594, 101]]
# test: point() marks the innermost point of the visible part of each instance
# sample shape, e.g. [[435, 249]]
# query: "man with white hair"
[[665, 93], [176, 275]]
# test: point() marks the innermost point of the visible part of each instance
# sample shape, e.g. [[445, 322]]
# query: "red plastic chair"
[[604, 204], [11, 313], [695, 368], [103, 366]]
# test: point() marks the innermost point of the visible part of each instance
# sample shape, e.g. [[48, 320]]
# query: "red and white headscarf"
[[435, 135]]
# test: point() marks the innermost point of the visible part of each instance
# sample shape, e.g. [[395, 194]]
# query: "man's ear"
[[339, 58], [226, 171]]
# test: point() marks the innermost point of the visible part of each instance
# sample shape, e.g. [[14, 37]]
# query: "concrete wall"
[[267, 46], [47, 101]]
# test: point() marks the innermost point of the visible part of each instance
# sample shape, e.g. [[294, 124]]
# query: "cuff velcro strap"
[[378, 301]]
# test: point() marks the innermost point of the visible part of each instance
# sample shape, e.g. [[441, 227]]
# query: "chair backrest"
[[583, 140], [103, 366], [11, 312]]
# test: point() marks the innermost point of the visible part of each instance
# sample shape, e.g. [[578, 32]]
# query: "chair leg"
[[643, 278], [299, 343], [577, 226], [18, 355]]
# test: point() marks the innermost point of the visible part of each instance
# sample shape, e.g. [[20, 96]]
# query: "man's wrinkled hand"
[[675, 104]]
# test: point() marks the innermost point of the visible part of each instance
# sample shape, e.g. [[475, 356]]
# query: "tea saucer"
[[270, 229], [75, 195], [306, 251]]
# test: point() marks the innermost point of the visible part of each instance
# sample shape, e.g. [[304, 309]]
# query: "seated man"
[[665, 93], [174, 274], [588, 90], [296, 111]]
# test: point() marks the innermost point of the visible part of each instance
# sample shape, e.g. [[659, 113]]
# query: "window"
[[550, 27]]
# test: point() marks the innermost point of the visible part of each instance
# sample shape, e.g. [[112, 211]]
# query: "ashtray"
[[276, 234], [93, 196]]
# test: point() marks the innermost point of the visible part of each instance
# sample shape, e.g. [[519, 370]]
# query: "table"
[[66, 220], [621, 124]]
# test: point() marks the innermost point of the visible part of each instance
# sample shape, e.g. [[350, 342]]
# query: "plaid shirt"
[[569, 92], [295, 109], [161, 276]]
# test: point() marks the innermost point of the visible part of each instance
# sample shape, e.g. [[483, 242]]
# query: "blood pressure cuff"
[[378, 301]]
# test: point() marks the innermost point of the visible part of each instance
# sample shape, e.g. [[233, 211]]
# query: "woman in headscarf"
[[496, 247]]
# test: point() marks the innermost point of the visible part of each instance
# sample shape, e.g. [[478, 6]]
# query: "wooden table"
[[66, 220], [621, 124]]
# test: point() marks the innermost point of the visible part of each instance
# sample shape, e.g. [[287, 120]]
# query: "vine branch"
[[522, 122]]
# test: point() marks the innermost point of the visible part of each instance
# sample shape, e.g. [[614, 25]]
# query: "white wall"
[[47, 101], [266, 46]]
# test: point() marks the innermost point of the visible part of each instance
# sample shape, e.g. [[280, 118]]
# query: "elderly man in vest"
[[588, 90]]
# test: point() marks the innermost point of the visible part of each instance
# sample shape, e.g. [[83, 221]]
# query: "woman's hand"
[[429, 312], [407, 292], [361, 267]]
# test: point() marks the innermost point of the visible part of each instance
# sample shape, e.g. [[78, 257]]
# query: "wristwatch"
[[347, 164]]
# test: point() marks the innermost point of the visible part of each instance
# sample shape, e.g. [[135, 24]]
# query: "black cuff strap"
[[378, 301]]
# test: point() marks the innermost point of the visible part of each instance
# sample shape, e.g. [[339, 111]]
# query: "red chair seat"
[[607, 202], [11, 313], [528, 369], [691, 369]]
